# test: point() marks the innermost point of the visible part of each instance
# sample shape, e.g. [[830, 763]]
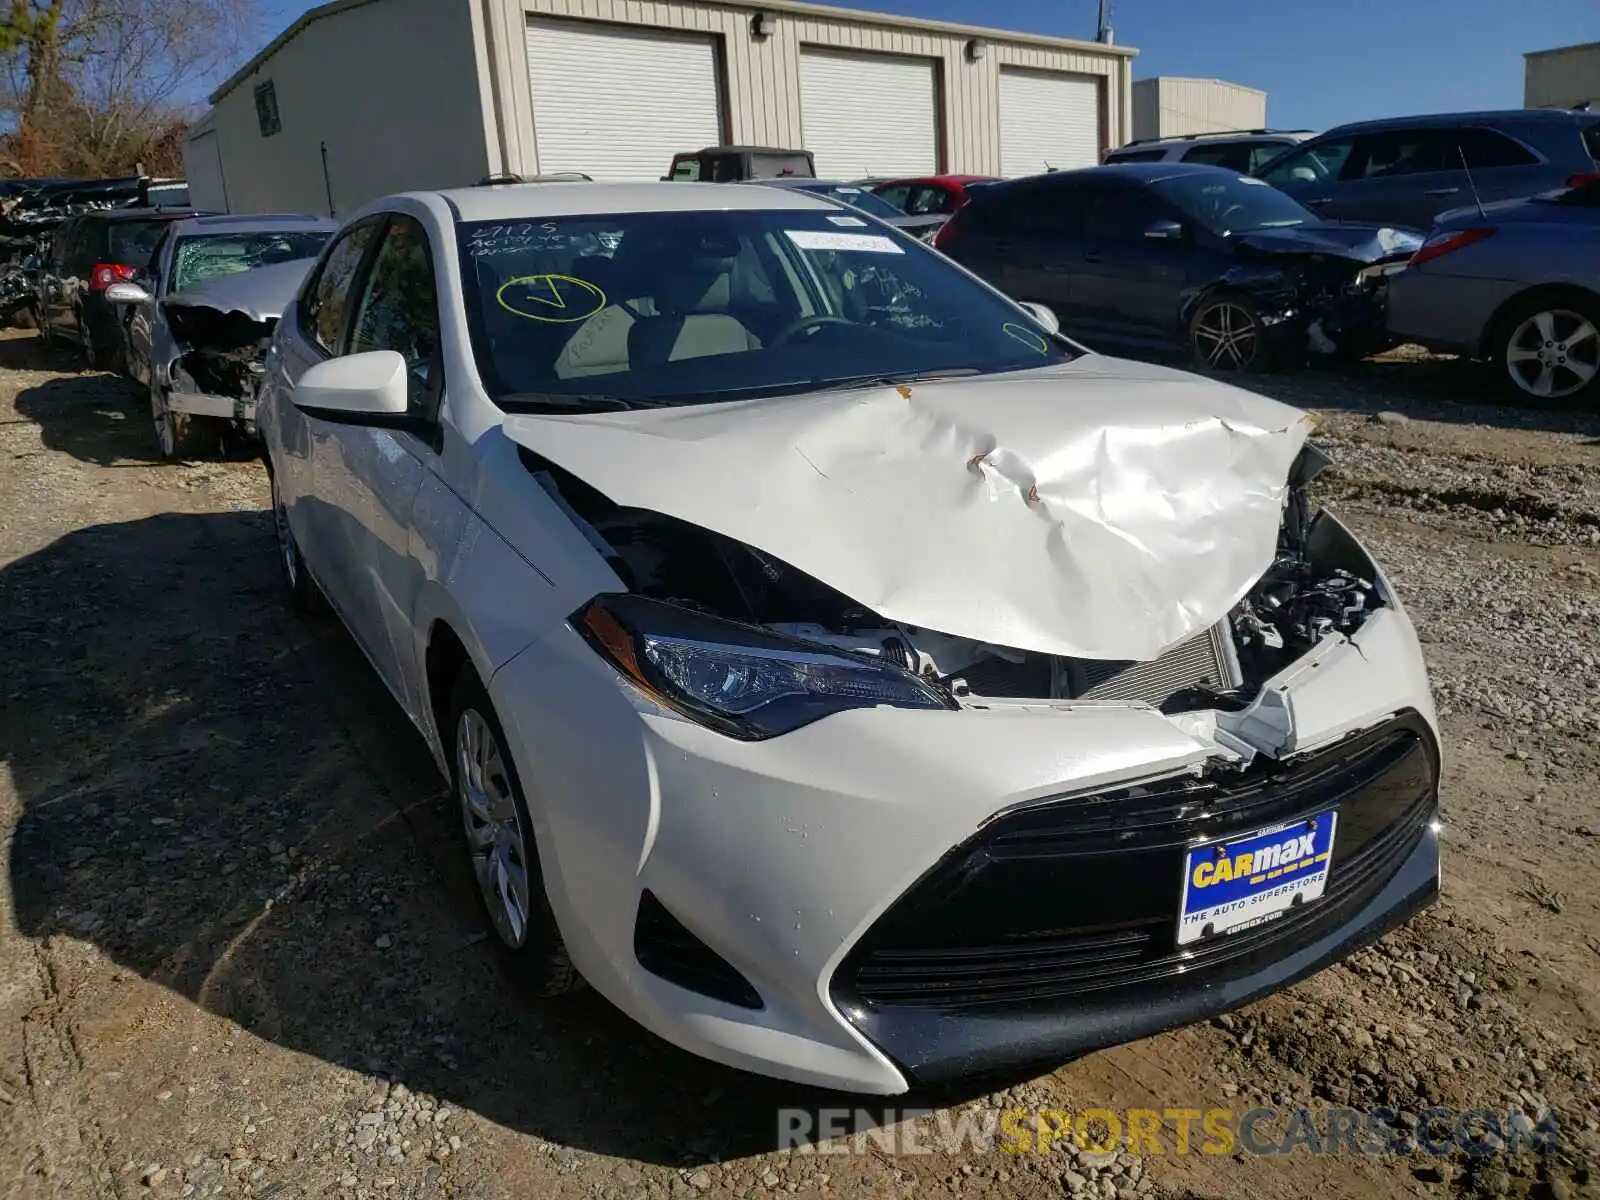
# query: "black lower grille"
[[1081, 895], [665, 948]]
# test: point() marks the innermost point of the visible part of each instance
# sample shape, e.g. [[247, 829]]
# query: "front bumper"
[[1052, 932], [238, 409]]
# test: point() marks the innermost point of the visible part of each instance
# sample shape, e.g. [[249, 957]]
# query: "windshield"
[[1226, 203], [199, 258], [700, 306], [875, 206]]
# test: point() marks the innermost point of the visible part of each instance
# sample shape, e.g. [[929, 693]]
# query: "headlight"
[[738, 679]]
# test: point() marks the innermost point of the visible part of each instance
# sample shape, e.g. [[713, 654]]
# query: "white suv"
[[1241, 150]]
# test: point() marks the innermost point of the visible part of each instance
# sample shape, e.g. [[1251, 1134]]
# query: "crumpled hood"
[[1101, 509], [1343, 239], [260, 295]]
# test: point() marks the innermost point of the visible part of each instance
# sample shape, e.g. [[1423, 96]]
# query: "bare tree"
[[94, 86]]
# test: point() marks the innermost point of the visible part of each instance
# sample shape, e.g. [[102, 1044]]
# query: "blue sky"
[[1322, 62]]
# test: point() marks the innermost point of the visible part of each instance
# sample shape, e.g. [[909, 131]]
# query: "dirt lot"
[[238, 955]]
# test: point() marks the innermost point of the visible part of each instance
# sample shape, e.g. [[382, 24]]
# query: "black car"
[[87, 255], [1181, 256]]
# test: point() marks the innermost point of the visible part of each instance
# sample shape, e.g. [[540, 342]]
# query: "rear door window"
[[927, 200], [1235, 156], [1045, 211], [898, 195], [132, 242], [1394, 153], [1486, 148]]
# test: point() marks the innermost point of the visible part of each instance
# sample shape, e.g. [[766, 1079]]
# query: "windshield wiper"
[[569, 402], [896, 378]]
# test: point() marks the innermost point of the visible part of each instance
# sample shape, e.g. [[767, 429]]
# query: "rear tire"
[[500, 843], [1546, 350]]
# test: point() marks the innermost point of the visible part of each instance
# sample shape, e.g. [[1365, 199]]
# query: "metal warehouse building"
[[1175, 106], [362, 97], [1562, 78]]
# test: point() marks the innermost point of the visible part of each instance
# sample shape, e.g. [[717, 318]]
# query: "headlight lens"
[[739, 679]]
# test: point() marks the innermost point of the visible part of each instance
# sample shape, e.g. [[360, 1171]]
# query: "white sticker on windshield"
[[821, 239], [852, 222]]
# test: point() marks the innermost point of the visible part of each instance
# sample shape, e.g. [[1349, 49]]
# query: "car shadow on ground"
[[94, 416], [222, 797]]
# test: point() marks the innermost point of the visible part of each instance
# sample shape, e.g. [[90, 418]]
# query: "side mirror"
[[359, 389], [126, 293], [1041, 314], [1164, 231]]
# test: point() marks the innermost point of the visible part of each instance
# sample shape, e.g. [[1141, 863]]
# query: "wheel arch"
[[1554, 292]]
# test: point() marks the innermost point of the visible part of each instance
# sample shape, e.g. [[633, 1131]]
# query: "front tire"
[[304, 596], [1226, 334], [1548, 350], [500, 843]]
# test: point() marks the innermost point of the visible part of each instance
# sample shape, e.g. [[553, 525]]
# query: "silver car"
[[1517, 283], [194, 332]]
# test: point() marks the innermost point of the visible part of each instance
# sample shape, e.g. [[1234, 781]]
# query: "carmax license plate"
[[1234, 885]]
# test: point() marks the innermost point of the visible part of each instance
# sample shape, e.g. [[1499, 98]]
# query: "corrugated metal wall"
[[761, 76], [1172, 106], [1562, 78]]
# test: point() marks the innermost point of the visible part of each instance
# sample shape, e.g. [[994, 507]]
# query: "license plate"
[[1236, 884]]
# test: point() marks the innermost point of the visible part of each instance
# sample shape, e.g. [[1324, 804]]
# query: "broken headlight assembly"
[[742, 681]]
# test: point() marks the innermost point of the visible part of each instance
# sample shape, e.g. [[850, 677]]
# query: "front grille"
[[666, 948], [1081, 895]]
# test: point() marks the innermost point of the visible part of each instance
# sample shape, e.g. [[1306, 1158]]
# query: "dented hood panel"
[[1102, 509], [1338, 239], [259, 295]]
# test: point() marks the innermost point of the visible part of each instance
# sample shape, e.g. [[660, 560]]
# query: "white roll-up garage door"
[[617, 103], [1047, 120], [868, 114]]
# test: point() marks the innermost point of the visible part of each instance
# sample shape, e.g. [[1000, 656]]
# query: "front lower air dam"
[[1056, 930]]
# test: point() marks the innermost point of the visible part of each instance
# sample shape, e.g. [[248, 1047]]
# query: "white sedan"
[[848, 676]]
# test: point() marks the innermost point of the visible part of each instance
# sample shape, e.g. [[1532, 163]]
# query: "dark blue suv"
[[1408, 170]]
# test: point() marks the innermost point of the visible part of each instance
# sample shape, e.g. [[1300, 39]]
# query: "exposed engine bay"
[[1309, 592], [223, 352]]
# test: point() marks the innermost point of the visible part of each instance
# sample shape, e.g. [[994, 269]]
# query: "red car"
[[928, 196]]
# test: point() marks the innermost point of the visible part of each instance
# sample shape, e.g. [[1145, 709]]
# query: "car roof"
[[509, 202], [256, 223], [806, 183], [1137, 172], [1505, 116], [140, 214], [915, 179]]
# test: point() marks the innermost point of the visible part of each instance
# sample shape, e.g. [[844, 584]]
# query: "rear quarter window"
[[1591, 140]]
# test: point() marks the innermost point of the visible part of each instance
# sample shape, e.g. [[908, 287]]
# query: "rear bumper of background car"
[[741, 899]]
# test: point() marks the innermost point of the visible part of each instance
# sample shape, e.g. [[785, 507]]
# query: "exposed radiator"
[[1206, 659]]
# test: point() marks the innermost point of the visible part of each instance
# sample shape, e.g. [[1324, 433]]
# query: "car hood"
[[1100, 509], [1342, 239], [260, 295]]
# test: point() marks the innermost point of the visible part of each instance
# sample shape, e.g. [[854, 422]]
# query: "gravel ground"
[[238, 955]]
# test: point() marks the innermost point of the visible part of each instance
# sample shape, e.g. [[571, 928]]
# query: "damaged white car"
[[852, 679], [200, 315]]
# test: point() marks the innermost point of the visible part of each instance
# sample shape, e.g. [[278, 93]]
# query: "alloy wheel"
[[1553, 354], [1225, 336], [495, 837]]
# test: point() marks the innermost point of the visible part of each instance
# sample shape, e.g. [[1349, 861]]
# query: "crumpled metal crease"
[[1102, 509]]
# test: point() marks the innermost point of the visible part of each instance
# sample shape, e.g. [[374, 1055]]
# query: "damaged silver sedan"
[[201, 316]]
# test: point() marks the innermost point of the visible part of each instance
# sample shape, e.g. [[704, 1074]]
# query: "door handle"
[[1319, 200], [1441, 191], [1093, 256]]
